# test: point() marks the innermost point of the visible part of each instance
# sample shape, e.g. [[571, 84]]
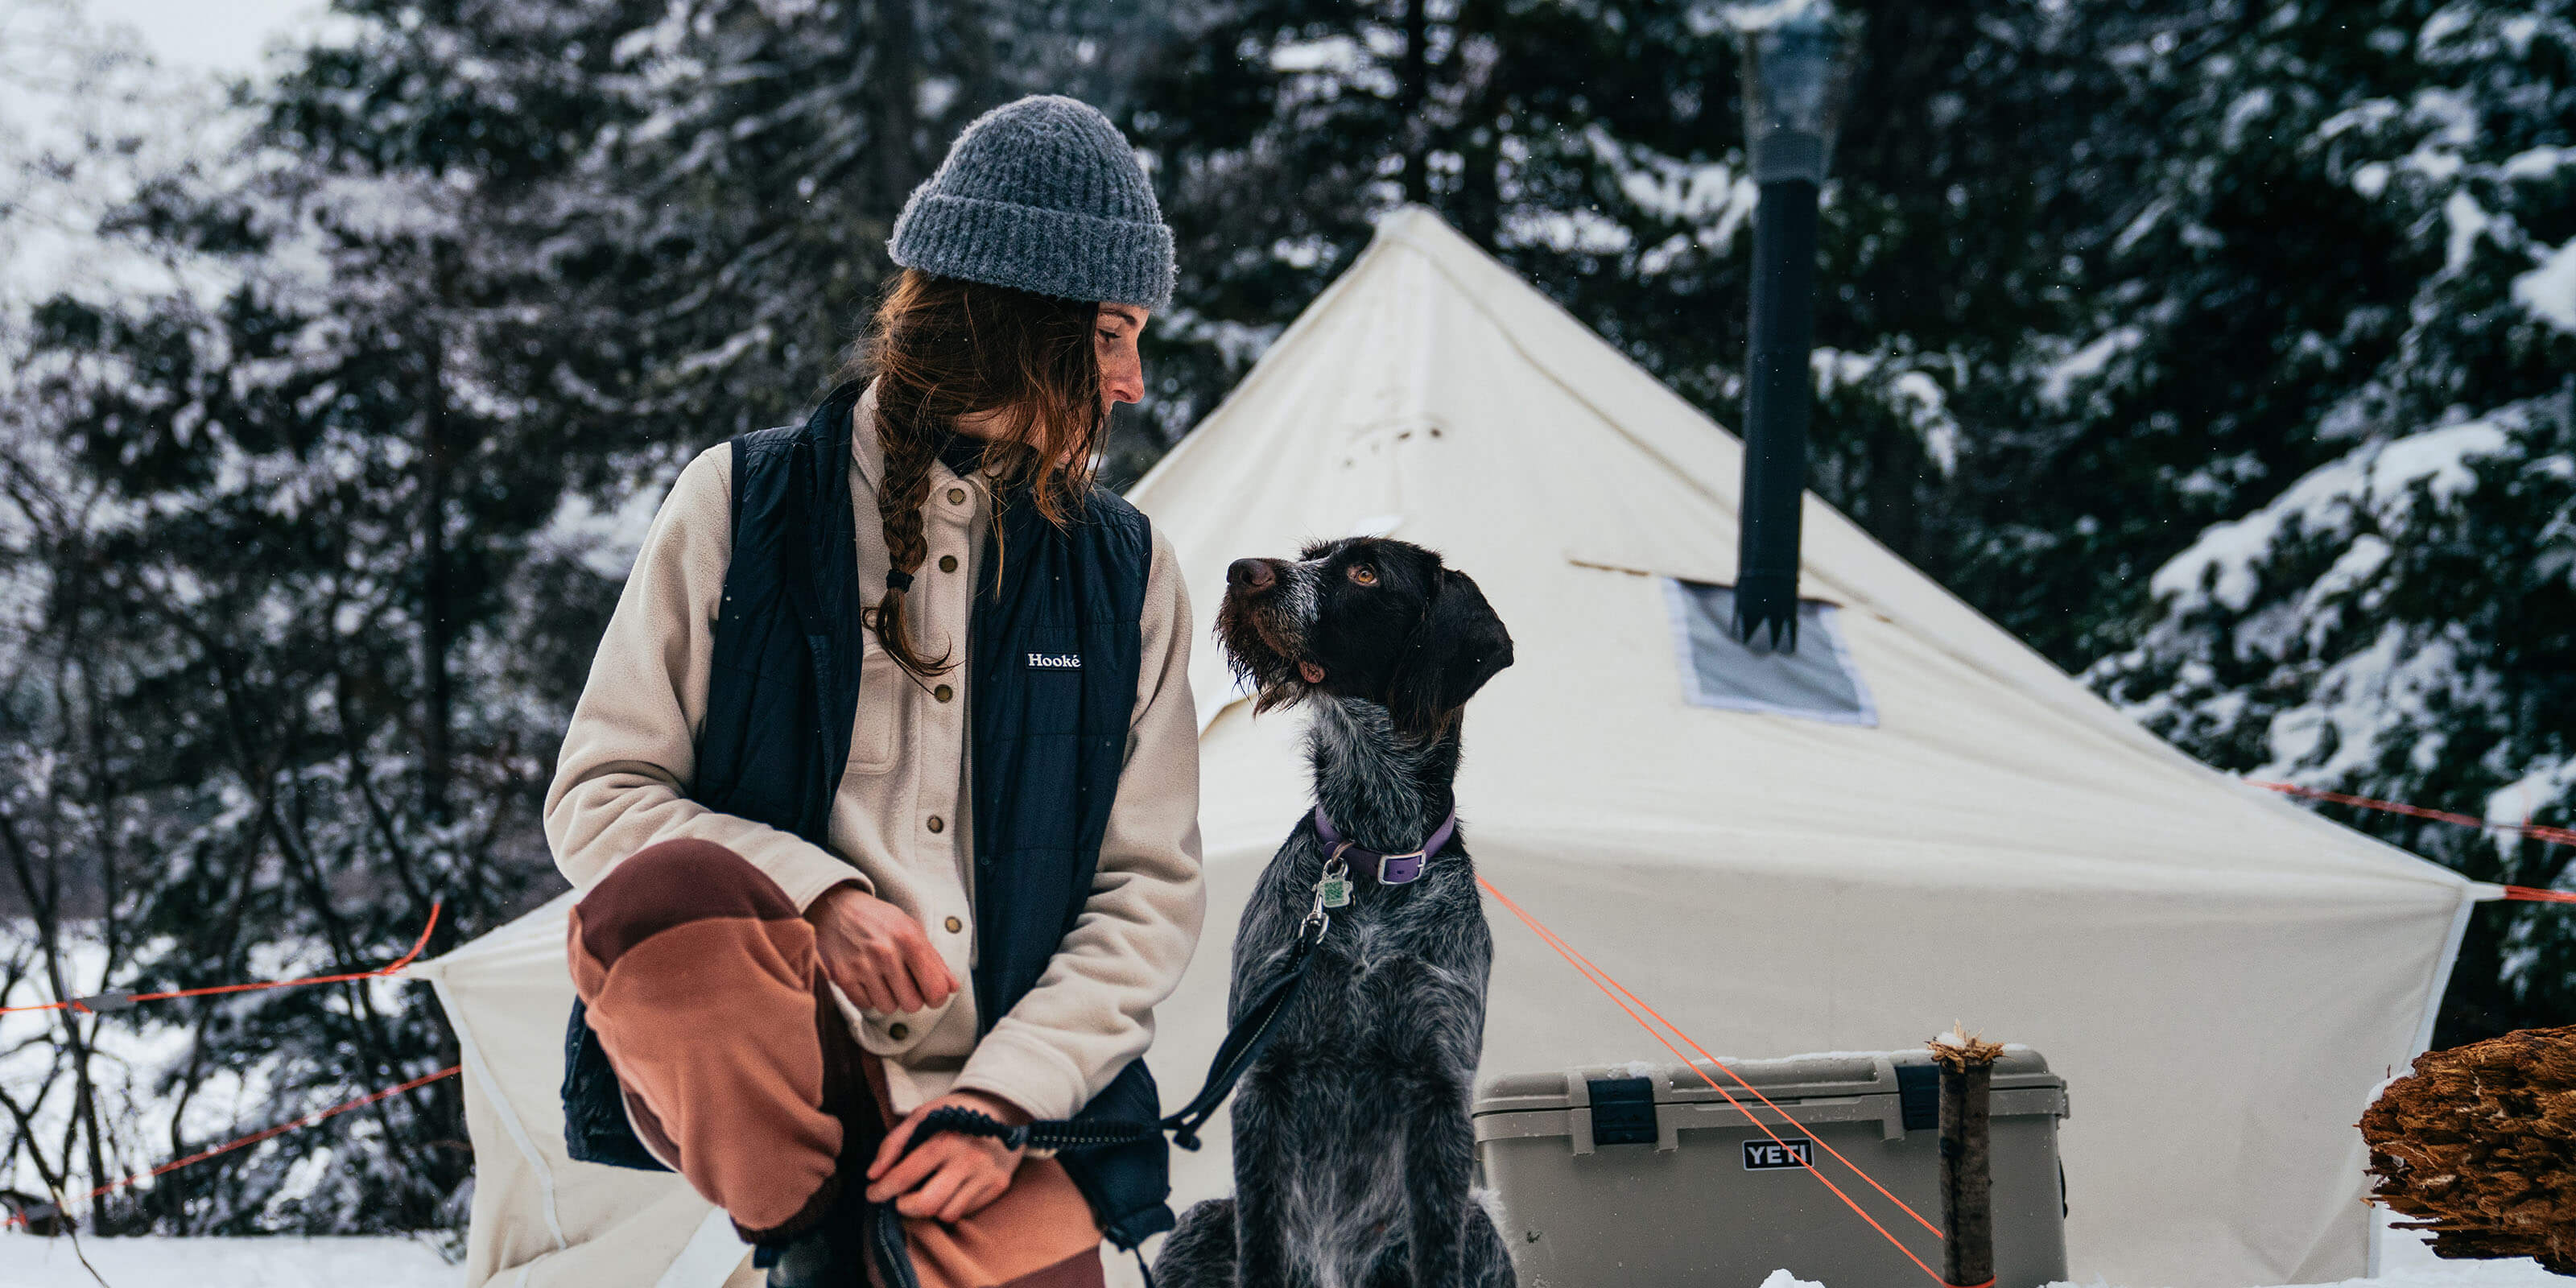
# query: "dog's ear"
[[1460, 644]]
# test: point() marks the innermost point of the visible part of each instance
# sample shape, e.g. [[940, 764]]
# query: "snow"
[[2536, 163], [2467, 223], [1783, 1279], [2087, 363], [2549, 291], [607, 541], [230, 38], [30, 1262], [2375, 483]]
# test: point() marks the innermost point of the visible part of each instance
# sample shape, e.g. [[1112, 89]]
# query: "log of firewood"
[[2479, 1145]]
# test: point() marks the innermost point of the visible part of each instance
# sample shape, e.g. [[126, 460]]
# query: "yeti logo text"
[[1768, 1155], [1056, 661]]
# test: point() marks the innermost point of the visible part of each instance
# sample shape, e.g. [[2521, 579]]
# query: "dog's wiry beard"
[[1265, 639]]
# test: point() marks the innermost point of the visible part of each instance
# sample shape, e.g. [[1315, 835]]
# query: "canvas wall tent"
[[2220, 976]]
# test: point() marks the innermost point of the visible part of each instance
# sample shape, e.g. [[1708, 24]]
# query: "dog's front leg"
[[1440, 1159], [1262, 1172]]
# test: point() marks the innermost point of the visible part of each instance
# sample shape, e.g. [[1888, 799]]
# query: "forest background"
[[2221, 349]]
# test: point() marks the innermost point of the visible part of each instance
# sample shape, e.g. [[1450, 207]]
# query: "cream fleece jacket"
[[900, 825]]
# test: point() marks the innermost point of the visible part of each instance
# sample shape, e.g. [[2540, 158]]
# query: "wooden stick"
[[1967, 1175]]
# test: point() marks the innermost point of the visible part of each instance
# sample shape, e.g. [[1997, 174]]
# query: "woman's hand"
[[953, 1175], [876, 953]]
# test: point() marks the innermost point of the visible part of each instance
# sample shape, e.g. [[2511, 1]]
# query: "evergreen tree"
[[1598, 149], [774, 146], [301, 598], [2395, 619]]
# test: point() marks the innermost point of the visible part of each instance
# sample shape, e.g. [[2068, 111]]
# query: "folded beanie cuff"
[[1003, 243]]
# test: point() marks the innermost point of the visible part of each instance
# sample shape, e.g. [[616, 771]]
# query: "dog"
[[1353, 1153]]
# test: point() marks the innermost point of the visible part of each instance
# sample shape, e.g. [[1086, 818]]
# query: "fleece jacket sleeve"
[[622, 780]]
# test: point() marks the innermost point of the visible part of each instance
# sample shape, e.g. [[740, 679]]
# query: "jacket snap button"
[[954, 925], [943, 693], [936, 825], [947, 563], [898, 1030], [957, 496]]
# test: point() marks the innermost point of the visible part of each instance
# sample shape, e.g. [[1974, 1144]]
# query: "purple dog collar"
[[1390, 869]]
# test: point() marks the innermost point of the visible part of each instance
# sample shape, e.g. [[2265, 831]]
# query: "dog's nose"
[[1250, 574]]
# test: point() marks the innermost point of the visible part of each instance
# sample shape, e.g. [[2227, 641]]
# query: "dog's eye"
[[1363, 574]]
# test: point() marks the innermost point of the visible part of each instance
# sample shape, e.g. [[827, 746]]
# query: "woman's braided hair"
[[939, 348]]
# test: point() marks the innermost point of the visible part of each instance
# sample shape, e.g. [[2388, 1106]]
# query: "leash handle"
[[1243, 1044]]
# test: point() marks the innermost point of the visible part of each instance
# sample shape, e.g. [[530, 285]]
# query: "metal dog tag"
[[1334, 891]]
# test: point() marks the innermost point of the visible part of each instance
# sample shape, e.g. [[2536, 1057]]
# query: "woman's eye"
[[1363, 574]]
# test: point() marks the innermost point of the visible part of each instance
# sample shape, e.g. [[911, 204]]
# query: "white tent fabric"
[[2220, 976], [541, 1220]]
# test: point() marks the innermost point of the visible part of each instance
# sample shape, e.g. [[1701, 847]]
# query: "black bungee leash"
[[1243, 1044]]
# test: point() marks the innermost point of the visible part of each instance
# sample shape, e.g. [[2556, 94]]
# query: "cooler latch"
[[1623, 1111]]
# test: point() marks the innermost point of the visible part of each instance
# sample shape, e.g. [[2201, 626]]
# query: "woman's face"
[[1122, 369]]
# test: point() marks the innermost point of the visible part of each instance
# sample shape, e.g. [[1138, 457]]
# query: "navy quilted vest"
[[1054, 645]]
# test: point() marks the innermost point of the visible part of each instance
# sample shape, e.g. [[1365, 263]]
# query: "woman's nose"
[[1250, 574]]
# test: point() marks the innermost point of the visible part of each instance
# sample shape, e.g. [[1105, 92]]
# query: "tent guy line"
[[23, 1218], [1602, 980], [101, 1003], [2536, 831]]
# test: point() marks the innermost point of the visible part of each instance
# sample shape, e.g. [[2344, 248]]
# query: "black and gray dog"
[[1353, 1151]]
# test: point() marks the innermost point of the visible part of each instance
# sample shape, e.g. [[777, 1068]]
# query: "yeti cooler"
[[1641, 1177]]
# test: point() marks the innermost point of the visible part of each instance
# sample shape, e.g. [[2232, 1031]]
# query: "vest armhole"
[[733, 499]]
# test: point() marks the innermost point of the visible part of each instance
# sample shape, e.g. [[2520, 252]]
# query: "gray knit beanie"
[[1044, 195]]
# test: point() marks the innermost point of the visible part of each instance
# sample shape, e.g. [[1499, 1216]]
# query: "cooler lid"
[[1834, 1074]]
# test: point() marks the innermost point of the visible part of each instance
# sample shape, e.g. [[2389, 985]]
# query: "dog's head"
[[1363, 617]]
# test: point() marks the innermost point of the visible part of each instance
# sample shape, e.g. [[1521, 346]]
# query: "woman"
[[883, 791]]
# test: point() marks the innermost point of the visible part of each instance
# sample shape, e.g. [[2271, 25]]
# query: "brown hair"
[[940, 348]]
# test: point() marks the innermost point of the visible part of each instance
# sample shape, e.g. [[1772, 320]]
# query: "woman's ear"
[[1460, 645]]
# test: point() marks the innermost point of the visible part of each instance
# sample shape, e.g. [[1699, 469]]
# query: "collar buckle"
[[1389, 869]]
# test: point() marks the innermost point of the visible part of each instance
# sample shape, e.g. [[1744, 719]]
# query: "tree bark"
[[898, 65], [1415, 101], [436, 639]]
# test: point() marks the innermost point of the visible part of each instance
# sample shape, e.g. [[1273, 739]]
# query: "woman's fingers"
[[929, 973], [972, 1197], [891, 1148], [934, 1194], [855, 979], [897, 981], [908, 1173]]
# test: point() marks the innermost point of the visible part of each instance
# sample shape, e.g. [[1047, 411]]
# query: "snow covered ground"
[[27, 1262]]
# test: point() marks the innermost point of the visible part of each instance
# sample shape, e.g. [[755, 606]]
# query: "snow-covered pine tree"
[[302, 599], [1597, 149], [89, 123], [2369, 276], [775, 144]]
